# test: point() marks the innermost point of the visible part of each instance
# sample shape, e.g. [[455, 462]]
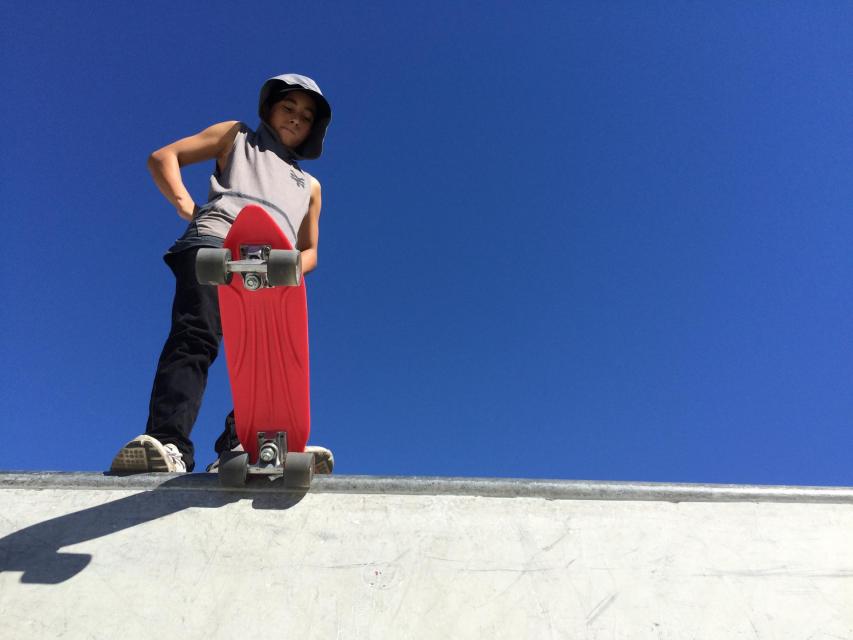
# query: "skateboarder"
[[252, 167]]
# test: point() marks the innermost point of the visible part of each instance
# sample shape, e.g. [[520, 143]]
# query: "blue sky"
[[561, 240]]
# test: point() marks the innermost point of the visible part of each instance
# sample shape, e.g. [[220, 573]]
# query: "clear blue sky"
[[569, 240]]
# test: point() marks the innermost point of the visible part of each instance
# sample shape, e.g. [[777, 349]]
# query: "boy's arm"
[[309, 230], [165, 164]]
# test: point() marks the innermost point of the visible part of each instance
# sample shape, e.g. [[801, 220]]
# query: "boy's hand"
[[187, 211], [165, 164]]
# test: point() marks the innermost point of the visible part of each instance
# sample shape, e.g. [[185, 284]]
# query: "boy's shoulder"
[[244, 128], [312, 181]]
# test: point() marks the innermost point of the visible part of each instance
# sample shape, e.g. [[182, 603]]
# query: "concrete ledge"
[[423, 485], [421, 558]]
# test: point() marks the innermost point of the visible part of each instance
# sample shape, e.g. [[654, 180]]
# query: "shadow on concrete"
[[34, 550]]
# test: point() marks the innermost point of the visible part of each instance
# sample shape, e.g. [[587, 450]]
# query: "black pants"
[[190, 349]]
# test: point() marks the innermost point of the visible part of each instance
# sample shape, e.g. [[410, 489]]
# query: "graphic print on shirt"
[[298, 179]]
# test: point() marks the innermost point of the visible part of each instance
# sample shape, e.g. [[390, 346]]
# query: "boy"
[[252, 167]]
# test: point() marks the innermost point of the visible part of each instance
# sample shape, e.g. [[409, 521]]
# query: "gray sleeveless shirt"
[[259, 170]]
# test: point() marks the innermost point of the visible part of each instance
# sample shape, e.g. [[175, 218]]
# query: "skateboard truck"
[[274, 461], [260, 266], [271, 453]]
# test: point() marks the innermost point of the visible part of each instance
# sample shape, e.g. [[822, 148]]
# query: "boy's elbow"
[[154, 160], [157, 159]]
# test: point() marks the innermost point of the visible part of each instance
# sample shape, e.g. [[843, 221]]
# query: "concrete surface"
[[91, 556]]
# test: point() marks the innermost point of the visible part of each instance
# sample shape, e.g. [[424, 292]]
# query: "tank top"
[[259, 170]]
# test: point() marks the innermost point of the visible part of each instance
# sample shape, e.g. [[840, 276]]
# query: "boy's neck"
[[287, 154]]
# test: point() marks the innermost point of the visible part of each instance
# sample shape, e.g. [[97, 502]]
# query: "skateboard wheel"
[[233, 467], [284, 268], [298, 470], [211, 266]]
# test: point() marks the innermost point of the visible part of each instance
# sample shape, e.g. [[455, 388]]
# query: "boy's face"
[[292, 116]]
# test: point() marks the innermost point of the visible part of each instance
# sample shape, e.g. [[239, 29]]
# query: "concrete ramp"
[[90, 556]]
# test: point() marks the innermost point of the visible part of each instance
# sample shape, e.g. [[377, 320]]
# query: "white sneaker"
[[324, 461], [144, 453]]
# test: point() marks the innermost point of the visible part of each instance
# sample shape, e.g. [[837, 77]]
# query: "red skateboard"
[[265, 330]]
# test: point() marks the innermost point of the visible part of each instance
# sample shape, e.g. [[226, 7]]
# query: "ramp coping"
[[428, 485]]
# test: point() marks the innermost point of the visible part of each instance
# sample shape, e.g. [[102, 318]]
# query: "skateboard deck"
[[265, 333]]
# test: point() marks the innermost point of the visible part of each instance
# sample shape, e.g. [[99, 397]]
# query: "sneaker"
[[145, 453], [213, 467], [324, 461]]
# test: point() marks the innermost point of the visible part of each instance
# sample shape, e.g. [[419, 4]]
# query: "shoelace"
[[176, 456]]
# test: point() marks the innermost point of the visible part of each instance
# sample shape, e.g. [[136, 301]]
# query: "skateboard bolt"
[[268, 454], [252, 281]]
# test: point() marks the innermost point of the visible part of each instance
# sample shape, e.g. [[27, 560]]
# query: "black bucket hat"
[[273, 88]]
